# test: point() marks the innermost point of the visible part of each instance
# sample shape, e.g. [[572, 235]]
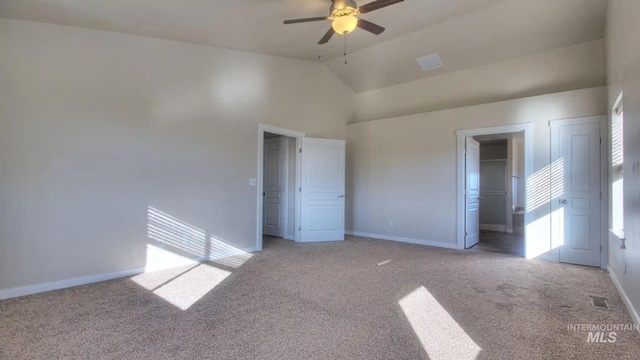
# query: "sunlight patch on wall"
[[544, 187], [440, 335], [172, 231], [174, 270], [226, 254], [545, 184]]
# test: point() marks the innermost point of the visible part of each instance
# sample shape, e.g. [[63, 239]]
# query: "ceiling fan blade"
[[378, 4], [370, 27], [325, 39], [297, 21]]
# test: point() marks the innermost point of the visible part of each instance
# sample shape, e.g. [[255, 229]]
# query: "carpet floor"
[[357, 299]]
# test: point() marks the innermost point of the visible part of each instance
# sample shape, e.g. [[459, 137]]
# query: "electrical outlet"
[[391, 223]]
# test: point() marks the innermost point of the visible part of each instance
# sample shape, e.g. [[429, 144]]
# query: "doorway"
[[318, 196], [283, 212], [278, 181], [501, 193], [493, 165]]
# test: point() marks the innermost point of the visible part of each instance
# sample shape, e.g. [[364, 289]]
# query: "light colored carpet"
[[329, 301]]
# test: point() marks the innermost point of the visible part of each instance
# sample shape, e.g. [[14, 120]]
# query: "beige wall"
[[623, 60], [404, 169], [569, 68], [97, 126]]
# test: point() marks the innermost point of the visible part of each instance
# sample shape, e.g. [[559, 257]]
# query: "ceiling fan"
[[344, 17]]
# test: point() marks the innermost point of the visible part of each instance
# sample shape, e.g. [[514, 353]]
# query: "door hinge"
[[299, 189], [601, 140], [299, 228], [300, 150], [600, 248]]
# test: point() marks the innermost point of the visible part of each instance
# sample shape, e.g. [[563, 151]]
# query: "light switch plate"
[[252, 182]]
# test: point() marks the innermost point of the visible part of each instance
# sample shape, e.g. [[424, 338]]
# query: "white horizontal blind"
[[617, 163]]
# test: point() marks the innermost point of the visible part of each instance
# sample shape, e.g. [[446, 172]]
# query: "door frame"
[[527, 128], [604, 179], [263, 128]]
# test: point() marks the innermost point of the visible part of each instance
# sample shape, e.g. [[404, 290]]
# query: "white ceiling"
[[505, 30], [466, 33]]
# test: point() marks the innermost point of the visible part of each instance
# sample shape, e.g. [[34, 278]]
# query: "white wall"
[[569, 68], [96, 127], [404, 169], [623, 60]]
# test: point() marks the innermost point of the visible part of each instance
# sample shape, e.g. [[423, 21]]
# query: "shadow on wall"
[[175, 254]]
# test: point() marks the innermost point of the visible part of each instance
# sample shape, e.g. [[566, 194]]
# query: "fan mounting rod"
[[341, 5]]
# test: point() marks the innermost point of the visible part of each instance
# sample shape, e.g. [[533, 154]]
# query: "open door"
[[323, 183], [472, 193], [274, 183]]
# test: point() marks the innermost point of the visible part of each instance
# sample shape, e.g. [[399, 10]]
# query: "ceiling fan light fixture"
[[344, 24]]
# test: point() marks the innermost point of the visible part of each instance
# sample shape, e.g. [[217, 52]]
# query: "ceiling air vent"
[[430, 62]]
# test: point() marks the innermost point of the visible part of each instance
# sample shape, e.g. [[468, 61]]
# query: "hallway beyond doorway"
[[500, 242]]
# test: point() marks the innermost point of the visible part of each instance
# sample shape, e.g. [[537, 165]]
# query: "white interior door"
[[472, 193], [576, 203], [273, 187], [323, 196]]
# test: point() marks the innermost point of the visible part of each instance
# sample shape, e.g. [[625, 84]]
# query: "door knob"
[[340, 196], [563, 201]]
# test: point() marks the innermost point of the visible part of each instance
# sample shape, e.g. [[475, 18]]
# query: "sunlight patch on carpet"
[[440, 335], [186, 289]]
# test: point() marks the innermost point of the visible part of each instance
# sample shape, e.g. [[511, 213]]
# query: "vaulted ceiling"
[[466, 33]]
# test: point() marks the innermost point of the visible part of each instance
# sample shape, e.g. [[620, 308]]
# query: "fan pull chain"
[[345, 49]]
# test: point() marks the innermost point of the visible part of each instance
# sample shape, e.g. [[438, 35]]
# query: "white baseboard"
[[403, 239], [84, 280], [63, 284], [625, 299], [490, 227], [234, 252]]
